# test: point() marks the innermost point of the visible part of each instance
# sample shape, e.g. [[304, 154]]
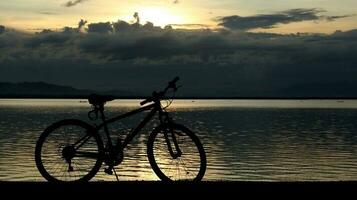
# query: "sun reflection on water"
[[265, 142]]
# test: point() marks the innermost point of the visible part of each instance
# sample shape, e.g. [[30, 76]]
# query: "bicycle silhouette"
[[72, 150]]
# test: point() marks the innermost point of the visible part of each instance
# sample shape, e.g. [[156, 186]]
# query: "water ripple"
[[242, 143]]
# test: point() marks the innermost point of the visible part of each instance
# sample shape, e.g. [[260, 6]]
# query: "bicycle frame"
[[154, 107], [111, 153]]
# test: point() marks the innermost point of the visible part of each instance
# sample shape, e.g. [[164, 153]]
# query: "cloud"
[[240, 63], [124, 41], [73, 3], [101, 27], [81, 24], [121, 26], [267, 21], [350, 35], [332, 18], [48, 38], [2, 29], [47, 13], [176, 2], [137, 18], [190, 25]]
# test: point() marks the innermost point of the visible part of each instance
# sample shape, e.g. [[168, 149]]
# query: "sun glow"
[[157, 15]]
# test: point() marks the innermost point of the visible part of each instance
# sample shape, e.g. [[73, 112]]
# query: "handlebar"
[[159, 95], [145, 101]]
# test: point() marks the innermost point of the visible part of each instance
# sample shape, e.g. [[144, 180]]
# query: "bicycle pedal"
[[108, 171]]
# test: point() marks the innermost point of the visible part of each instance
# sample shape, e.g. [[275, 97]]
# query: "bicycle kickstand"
[[116, 175]]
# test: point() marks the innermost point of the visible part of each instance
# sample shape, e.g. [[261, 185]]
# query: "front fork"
[[177, 153], [170, 136]]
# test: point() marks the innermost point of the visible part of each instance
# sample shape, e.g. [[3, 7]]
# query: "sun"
[[159, 16]]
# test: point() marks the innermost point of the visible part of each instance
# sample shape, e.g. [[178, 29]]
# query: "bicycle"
[[72, 150]]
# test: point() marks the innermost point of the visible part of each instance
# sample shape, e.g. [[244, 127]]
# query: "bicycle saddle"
[[96, 99]]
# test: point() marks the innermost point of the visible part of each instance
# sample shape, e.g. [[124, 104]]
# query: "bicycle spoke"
[[92, 155], [58, 147], [186, 166], [186, 169]]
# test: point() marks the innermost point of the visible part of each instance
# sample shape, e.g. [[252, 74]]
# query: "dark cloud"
[[137, 18], [48, 30], [73, 3], [49, 38], [101, 27], [70, 30], [2, 29], [121, 26], [210, 62], [81, 24], [332, 18], [350, 35], [236, 22], [124, 27]]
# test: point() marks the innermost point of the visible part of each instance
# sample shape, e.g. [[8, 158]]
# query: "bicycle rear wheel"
[[69, 151], [188, 165]]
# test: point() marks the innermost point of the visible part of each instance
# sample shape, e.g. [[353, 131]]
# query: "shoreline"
[[183, 98], [139, 188]]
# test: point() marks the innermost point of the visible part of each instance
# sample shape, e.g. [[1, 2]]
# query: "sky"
[[31, 15], [226, 48]]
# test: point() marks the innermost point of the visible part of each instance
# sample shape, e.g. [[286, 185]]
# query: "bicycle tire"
[[39, 151], [184, 131]]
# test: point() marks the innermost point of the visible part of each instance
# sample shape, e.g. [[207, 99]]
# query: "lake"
[[245, 140]]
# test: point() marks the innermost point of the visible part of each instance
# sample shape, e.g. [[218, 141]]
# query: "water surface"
[[260, 140]]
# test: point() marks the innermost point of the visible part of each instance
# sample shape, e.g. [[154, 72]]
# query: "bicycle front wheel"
[[69, 151], [176, 154]]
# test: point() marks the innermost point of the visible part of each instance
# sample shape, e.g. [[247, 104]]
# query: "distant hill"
[[39, 89], [301, 91], [47, 90]]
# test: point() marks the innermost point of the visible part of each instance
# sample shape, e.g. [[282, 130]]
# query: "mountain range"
[[302, 91]]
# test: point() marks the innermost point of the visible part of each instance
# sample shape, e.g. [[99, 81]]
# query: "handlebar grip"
[[175, 80], [172, 84], [145, 102]]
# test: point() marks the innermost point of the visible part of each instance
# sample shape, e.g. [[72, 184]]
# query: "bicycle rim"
[[56, 140], [190, 166]]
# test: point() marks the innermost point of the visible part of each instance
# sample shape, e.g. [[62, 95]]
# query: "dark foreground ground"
[[154, 190]]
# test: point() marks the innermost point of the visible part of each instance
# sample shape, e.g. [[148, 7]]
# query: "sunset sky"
[[219, 48], [31, 15]]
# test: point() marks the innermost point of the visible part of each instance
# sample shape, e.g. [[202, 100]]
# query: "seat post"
[[101, 111], [102, 116]]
